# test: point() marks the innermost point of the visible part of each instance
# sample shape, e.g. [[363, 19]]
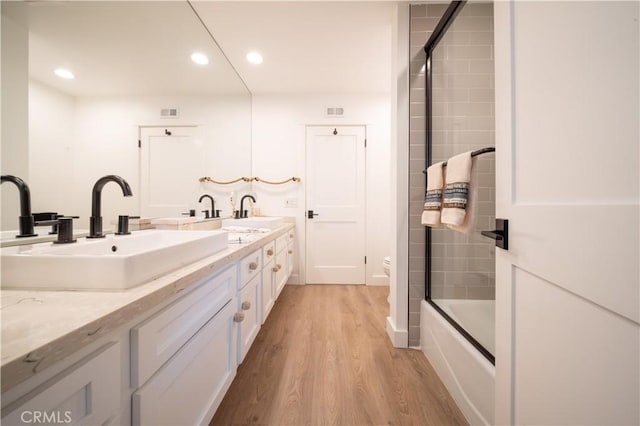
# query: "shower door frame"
[[445, 22]]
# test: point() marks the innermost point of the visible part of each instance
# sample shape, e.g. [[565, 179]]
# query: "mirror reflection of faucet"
[[26, 220], [214, 213], [242, 213]]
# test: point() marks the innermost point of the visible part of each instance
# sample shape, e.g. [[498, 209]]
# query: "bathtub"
[[467, 374]]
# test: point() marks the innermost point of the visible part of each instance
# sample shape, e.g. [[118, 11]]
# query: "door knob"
[[311, 214]]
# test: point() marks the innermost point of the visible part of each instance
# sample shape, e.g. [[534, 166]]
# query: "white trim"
[[377, 280], [399, 338], [398, 320]]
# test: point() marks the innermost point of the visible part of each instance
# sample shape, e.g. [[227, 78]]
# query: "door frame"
[[306, 194]]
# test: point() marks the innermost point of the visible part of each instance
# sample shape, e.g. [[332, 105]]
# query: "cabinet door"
[[281, 274], [290, 253], [189, 387], [268, 290], [250, 325], [87, 393]]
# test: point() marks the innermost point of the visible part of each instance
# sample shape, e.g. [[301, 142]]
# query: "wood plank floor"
[[323, 358]]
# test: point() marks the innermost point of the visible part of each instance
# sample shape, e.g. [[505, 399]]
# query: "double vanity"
[[146, 328]]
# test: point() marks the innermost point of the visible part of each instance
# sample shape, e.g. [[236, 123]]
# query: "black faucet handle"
[[206, 214], [123, 225], [65, 230], [191, 213], [217, 214]]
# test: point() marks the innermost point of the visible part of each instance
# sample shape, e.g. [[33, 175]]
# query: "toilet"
[[386, 265]]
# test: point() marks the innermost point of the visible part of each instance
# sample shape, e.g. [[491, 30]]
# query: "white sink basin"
[[111, 263], [264, 222]]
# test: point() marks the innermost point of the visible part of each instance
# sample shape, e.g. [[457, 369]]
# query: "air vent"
[[169, 113], [335, 112]]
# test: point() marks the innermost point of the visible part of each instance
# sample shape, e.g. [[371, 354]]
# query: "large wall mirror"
[[134, 80]]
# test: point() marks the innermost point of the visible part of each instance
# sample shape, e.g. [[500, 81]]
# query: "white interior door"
[[567, 316], [336, 196], [171, 161]]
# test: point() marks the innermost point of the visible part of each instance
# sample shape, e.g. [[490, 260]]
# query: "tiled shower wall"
[[462, 265]]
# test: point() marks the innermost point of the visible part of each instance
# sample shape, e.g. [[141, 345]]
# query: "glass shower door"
[[461, 267]]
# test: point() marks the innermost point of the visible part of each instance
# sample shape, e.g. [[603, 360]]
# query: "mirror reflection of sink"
[[116, 262], [260, 222], [8, 238]]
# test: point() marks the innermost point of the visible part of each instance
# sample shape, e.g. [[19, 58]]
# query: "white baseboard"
[[378, 280], [399, 338]]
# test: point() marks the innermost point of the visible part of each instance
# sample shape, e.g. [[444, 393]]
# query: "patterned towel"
[[458, 207], [433, 196]]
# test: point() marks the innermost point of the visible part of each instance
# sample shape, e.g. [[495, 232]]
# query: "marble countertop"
[[40, 328]]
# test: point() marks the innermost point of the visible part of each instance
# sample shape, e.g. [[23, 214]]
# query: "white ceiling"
[[142, 48], [308, 46]]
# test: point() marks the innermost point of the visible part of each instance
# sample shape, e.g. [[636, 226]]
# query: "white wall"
[[78, 140], [51, 148], [278, 152], [15, 132]]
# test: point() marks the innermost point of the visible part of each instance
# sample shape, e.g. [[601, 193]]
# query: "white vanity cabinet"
[[249, 313], [170, 363], [86, 393], [183, 358]]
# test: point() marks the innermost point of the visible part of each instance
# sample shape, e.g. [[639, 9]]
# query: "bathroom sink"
[[259, 222], [116, 262]]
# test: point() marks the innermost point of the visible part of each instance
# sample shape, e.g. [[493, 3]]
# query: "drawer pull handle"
[[253, 266], [274, 269], [279, 267], [246, 305], [270, 252], [238, 317], [290, 251], [290, 235]]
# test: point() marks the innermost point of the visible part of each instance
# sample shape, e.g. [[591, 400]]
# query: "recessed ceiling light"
[[63, 73], [254, 58], [200, 58]]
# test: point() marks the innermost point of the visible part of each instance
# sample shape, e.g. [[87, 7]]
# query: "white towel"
[[433, 196], [458, 208]]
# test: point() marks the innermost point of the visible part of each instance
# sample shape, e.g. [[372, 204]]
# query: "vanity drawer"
[[250, 266], [268, 252], [158, 338]]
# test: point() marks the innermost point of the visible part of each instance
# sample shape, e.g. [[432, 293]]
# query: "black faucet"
[[243, 213], [213, 206], [95, 222], [26, 218]]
